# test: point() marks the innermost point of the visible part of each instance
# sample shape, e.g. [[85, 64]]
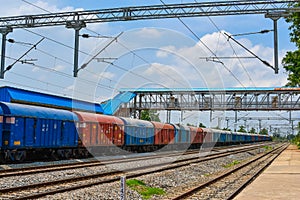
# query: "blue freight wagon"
[[138, 133], [1, 127], [30, 127], [248, 138], [182, 134], [217, 136]]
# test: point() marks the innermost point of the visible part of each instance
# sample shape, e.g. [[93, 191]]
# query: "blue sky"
[[150, 53]]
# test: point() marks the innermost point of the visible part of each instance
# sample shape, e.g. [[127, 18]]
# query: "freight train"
[[28, 131]]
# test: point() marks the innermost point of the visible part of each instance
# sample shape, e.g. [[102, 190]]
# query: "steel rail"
[[93, 163], [197, 188], [110, 176]]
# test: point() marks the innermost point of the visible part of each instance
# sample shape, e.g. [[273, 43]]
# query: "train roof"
[[14, 109], [161, 125], [93, 117], [184, 127], [137, 122]]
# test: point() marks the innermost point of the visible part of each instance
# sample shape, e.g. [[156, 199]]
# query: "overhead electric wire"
[[100, 36], [66, 75], [216, 26], [55, 41], [195, 35], [263, 61], [60, 42], [36, 6], [84, 52], [124, 69], [40, 81], [143, 59], [46, 53]]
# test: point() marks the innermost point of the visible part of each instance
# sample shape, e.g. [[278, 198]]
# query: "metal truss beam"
[[79, 19], [262, 118], [220, 8], [276, 99]]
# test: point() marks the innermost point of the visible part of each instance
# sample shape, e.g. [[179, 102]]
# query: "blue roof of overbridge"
[[16, 95], [233, 89]]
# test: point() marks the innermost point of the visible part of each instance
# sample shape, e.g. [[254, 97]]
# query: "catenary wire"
[[117, 41], [216, 26], [195, 35]]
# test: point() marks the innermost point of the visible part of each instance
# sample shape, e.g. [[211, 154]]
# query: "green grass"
[[235, 162], [267, 148], [143, 189]]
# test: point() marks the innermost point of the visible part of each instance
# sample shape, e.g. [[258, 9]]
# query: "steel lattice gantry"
[[150, 12], [78, 19], [198, 99]]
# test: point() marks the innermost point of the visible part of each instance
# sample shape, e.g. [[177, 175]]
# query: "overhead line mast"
[[79, 19]]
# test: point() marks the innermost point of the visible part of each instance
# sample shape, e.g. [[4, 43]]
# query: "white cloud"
[[149, 33], [250, 72], [164, 51], [59, 67], [15, 8], [106, 75]]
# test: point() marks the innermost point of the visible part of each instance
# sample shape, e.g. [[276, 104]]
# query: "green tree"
[[263, 131], [202, 125], [242, 129], [150, 115], [188, 124], [252, 130], [291, 61]]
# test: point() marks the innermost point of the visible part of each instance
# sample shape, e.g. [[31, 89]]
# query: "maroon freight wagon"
[[98, 131], [164, 133], [196, 135]]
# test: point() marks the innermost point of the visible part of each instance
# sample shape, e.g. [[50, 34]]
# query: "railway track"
[[95, 163], [228, 184], [52, 187]]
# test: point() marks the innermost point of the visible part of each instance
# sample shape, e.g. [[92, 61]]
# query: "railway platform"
[[280, 180]]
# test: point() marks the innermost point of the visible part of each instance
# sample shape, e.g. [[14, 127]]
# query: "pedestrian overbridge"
[[210, 99]]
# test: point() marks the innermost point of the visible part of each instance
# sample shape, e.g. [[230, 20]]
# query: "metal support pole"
[[259, 126], [292, 127], [134, 107], [275, 45], [76, 49], [4, 33], [275, 17], [168, 116], [77, 25], [227, 123], [235, 120], [181, 116], [140, 106]]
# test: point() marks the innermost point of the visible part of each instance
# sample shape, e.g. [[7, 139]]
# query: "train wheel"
[[14, 156], [2, 158], [67, 153], [64, 153], [20, 156]]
